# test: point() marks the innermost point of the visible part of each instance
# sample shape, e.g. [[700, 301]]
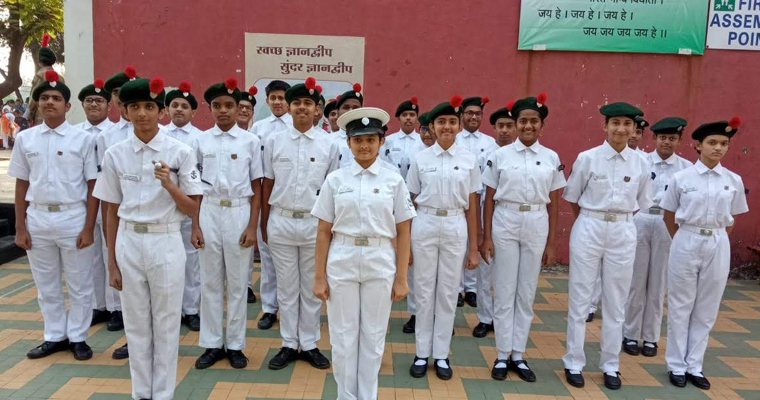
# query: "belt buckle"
[[441, 213], [140, 228], [525, 207], [298, 214], [706, 232], [655, 211], [225, 203], [54, 208], [610, 217], [360, 241]]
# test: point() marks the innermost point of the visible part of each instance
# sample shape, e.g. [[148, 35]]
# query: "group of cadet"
[[155, 226]]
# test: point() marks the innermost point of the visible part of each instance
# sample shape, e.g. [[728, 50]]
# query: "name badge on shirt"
[[600, 177], [283, 159], [345, 189], [429, 169], [32, 154], [689, 189], [396, 149], [209, 155], [130, 177], [511, 167]]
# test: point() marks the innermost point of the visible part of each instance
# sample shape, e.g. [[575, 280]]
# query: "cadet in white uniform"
[[445, 180], [95, 101], [55, 169], [151, 184], [245, 116], [296, 163], [331, 115], [225, 232], [361, 209], [703, 200], [181, 106], [280, 120], [520, 213], [607, 185], [348, 101], [643, 310]]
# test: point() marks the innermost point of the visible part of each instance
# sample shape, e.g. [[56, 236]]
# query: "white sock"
[[575, 372], [678, 373], [698, 375], [516, 356], [523, 366], [647, 344], [420, 362], [442, 364], [501, 364], [612, 374], [631, 342]]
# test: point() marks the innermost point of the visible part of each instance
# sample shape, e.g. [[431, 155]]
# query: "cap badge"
[[365, 121]]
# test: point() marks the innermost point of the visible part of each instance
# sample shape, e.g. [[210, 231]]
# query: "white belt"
[[290, 213], [440, 212], [702, 231], [656, 211], [150, 228], [520, 206], [607, 216], [226, 202], [56, 207], [359, 241]]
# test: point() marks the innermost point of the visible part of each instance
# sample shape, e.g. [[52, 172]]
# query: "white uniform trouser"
[[222, 260], [439, 245], [697, 274], [152, 269], [104, 296], [519, 243], [485, 298], [643, 310], [360, 280], [596, 295], [411, 305], [192, 292], [54, 251], [610, 246], [268, 277], [469, 281], [291, 243]]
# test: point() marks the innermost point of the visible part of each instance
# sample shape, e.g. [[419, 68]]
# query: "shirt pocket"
[[210, 168], [725, 198], [71, 165], [282, 167], [317, 173], [380, 202], [239, 171]]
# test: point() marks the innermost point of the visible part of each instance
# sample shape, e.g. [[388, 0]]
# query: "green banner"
[[646, 26]]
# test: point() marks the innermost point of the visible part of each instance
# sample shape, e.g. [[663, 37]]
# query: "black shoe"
[[237, 359], [192, 321], [251, 296], [81, 350], [612, 382], [99, 316], [267, 320], [525, 374], [116, 323], [499, 374], [409, 325], [481, 330], [677, 380], [121, 353], [315, 358], [418, 371], [699, 381], [443, 373], [471, 299], [631, 346], [648, 351], [48, 348], [283, 358], [590, 317], [460, 300], [575, 380], [209, 358]]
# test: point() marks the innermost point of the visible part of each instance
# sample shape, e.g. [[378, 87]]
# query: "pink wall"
[[433, 49]]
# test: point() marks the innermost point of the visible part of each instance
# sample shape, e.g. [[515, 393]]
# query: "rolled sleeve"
[[559, 177], [476, 185], [577, 181], [413, 178], [19, 167], [670, 198], [108, 185], [739, 202], [490, 175], [267, 157], [644, 197], [256, 169], [90, 159], [403, 208], [189, 176], [324, 207]]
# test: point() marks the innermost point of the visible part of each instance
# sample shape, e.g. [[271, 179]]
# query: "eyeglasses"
[[95, 100], [474, 113], [246, 108]]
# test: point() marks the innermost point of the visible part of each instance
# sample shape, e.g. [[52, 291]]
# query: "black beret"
[[52, 82], [94, 89], [143, 90], [226, 88], [182, 92]]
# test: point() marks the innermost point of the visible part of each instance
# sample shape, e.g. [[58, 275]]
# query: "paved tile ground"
[[732, 361]]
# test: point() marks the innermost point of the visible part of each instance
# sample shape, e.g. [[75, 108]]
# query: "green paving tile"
[[112, 396], [749, 394]]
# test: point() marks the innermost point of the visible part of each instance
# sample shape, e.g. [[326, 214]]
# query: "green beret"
[[119, 79], [182, 92], [725, 128], [537, 103], [226, 88], [44, 54], [94, 89], [423, 118], [641, 123], [451, 107], [143, 90], [354, 93], [364, 121], [409, 105], [621, 109], [321, 98], [505, 112], [250, 95], [329, 107], [52, 82], [475, 101], [669, 125], [308, 89]]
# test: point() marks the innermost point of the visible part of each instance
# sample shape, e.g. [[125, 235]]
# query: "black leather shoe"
[[481, 330], [418, 371], [80, 350], [251, 296], [443, 373], [677, 380], [315, 358], [209, 358], [121, 353], [460, 300], [499, 374], [590, 317], [575, 380], [237, 359], [116, 323], [525, 374], [699, 381], [99, 316], [471, 299], [283, 358], [409, 325], [266, 321], [631, 346], [648, 351], [193, 322], [48, 348], [612, 382]]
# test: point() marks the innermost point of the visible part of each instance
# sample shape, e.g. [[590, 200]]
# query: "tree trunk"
[[16, 41], [18, 92]]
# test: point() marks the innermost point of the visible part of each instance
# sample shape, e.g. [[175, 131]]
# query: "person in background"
[[331, 115], [46, 59], [245, 111], [349, 100]]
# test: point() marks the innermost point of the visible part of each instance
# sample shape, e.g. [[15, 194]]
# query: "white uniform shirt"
[[186, 134], [298, 163], [128, 179], [663, 171], [56, 162], [228, 161], [95, 129], [399, 148], [444, 178], [364, 202], [524, 175], [477, 143], [705, 198], [604, 180], [271, 124], [105, 139]]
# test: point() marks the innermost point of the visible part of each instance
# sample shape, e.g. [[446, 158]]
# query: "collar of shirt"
[[187, 128], [156, 143], [286, 118], [357, 169], [403, 135], [122, 122], [609, 152], [60, 129], [520, 146], [438, 150], [216, 130], [702, 168], [294, 133], [343, 134], [466, 133], [657, 159]]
